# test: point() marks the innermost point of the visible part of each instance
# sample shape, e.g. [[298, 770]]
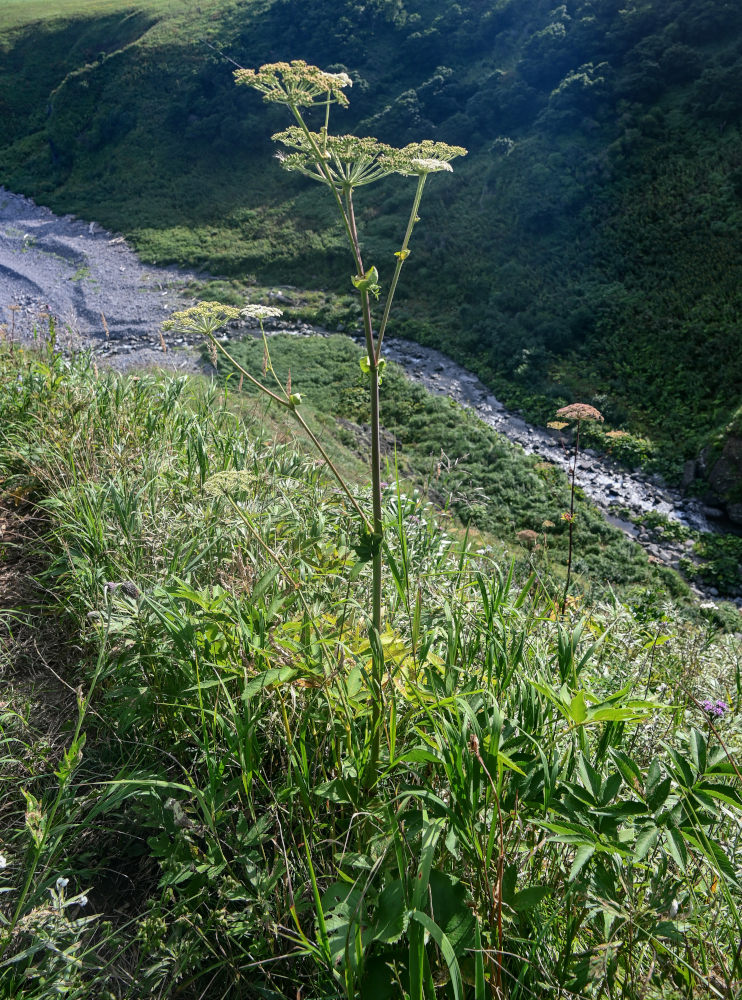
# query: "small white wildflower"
[[423, 165], [261, 312], [673, 911], [62, 883], [342, 79], [3, 861]]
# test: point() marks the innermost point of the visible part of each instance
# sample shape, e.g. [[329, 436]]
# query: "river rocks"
[[89, 280]]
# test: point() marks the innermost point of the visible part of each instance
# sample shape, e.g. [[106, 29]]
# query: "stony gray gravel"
[[105, 298], [90, 281]]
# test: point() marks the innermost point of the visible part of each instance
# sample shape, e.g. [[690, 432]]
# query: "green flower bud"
[[369, 282]]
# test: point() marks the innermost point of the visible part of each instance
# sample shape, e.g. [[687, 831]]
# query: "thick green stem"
[[377, 528], [377, 659], [322, 166], [365, 300], [401, 257], [571, 518]]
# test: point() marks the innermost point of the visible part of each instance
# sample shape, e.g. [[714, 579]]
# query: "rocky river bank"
[[101, 296]]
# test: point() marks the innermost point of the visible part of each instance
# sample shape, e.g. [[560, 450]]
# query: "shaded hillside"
[[589, 246]]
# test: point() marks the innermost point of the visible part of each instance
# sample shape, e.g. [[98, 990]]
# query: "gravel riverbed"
[[104, 298]]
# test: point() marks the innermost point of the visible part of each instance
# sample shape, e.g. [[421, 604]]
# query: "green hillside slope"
[[589, 246]]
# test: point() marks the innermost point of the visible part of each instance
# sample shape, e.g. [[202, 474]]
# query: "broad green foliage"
[[558, 808]]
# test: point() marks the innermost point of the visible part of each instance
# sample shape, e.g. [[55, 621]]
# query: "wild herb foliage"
[[558, 807], [474, 472], [599, 221]]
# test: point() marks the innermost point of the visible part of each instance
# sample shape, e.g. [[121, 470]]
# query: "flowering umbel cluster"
[[580, 411], [202, 319], [350, 161], [260, 312], [296, 84], [344, 161]]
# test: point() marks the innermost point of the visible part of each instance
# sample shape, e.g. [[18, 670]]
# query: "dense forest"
[[589, 246]]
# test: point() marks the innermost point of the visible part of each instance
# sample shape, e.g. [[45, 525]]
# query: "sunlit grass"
[[20, 13]]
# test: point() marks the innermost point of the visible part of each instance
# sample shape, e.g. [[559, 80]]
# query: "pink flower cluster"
[[717, 708]]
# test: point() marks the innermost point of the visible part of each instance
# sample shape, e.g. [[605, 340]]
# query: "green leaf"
[[577, 708], [570, 833], [582, 855], [724, 793], [503, 759], [268, 679], [659, 794], [431, 832], [368, 282], [451, 910], [447, 951], [630, 771], [479, 980], [391, 917], [714, 853], [264, 583], [590, 777], [654, 777], [338, 913], [676, 847], [529, 898], [646, 841], [697, 748], [338, 791]]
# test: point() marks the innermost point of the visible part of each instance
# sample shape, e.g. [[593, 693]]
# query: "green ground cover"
[[480, 476], [185, 717], [22, 13]]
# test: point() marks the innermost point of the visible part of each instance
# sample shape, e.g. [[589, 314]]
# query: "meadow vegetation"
[[557, 808], [332, 742]]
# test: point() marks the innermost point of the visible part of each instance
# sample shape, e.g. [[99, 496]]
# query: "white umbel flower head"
[[261, 312], [341, 79], [423, 165]]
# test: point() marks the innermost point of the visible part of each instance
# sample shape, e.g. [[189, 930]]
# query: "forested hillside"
[[312, 683], [589, 247]]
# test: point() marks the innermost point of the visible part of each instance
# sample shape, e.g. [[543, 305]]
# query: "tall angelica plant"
[[342, 164]]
